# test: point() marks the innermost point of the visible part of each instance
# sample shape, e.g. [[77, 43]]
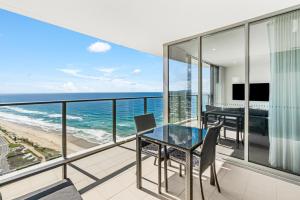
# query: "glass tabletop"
[[183, 137]]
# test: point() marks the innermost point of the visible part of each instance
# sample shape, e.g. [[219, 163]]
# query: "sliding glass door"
[[250, 78], [223, 87], [183, 82], [274, 115]]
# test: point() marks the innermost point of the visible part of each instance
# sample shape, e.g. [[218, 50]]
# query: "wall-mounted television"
[[258, 91], [238, 91]]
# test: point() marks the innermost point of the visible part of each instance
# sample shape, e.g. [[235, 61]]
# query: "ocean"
[[91, 121]]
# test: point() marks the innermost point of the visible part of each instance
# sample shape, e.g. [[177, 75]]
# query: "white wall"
[[227, 49], [259, 73], [233, 75]]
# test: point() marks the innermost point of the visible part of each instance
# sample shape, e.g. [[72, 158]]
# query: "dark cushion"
[[62, 190], [258, 112]]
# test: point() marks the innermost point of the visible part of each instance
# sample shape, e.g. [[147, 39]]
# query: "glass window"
[[223, 83], [183, 82], [274, 115]]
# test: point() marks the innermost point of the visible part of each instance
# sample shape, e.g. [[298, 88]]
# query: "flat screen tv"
[[238, 91], [258, 91]]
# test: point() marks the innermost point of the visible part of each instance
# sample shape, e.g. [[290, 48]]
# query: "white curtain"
[[284, 113]]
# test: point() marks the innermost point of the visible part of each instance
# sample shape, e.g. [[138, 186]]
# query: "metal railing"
[[65, 159]]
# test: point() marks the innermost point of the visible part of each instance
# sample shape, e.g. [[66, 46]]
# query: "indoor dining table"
[[182, 138], [239, 116]]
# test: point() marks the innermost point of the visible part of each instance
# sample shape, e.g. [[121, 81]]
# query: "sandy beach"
[[46, 139]]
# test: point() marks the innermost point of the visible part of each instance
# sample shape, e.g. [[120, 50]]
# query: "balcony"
[[110, 174], [243, 76]]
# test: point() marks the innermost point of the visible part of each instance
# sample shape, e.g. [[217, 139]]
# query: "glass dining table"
[[182, 138]]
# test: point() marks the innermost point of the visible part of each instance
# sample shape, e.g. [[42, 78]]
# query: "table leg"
[[189, 176], [159, 169], [165, 168], [212, 176], [237, 133], [138, 163]]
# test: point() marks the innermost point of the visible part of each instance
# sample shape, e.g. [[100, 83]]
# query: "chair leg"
[[155, 161], [201, 187], [180, 170], [169, 163], [216, 178], [166, 175], [165, 168], [224, 132]]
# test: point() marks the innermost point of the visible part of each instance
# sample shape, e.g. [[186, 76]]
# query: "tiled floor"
[[111, 175]]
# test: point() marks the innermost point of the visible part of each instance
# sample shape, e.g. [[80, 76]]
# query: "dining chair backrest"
[[208, 151], [210, 108], [144, 122]]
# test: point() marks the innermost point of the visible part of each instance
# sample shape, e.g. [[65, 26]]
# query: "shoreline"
[[47, 139]]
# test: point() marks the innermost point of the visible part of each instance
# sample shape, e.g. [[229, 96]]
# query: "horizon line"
[[77, 92]]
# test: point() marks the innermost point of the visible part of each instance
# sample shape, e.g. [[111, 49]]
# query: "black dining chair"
[[143, 123], [146, 122], [211, 120], [205, 158]]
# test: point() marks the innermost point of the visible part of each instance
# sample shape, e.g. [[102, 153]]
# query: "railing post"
[[64, 137], [145, 105], [197, 107], [114, 120]]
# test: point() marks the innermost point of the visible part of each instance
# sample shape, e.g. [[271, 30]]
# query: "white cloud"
[[108, 82], [69, 87], [73, 72], [66, 87], [114, 79], [136, 71], [121, 81], [106, 70], [99, 47], [77, 73]]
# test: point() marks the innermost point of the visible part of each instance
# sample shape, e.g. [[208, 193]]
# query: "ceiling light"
[[213, 49]]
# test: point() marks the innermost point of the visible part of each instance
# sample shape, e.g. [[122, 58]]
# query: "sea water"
[[87, 120], [91, 121]]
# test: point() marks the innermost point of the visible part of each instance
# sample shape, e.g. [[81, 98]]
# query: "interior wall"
[[233, 75], [237, 75], [226, 49]]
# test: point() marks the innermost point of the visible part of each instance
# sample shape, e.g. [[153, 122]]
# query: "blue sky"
[[37, 57]]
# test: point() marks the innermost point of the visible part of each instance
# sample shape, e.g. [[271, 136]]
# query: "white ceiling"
[[140, 24], [226, 48]]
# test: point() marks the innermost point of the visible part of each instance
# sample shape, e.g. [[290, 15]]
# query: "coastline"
[[47, 139]]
